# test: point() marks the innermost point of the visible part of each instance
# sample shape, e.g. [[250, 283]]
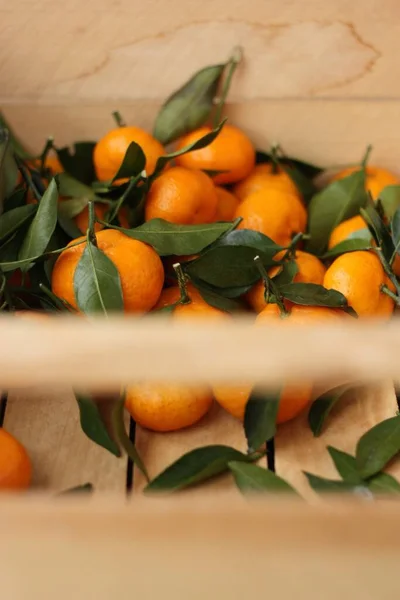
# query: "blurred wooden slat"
[[198, 547], [47, 424], [297, 450]]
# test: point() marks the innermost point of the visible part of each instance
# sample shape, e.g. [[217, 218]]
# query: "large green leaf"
[[346, 465], [8, 167], [97, 284], [230, 261], [190, 106], [196, 466], [349, 245], [312, 294], [132, 164], [329, 486], [383, 483], [252, 478], [42, 227], [93, 424], [378, 446], [321, 408], [339, 201], [169, 238]]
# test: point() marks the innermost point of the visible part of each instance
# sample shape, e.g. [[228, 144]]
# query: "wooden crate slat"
[[159, 450], [47, 423], [297, 450]]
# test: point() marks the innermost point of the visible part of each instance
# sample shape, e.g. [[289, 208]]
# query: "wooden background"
[[319, 77]]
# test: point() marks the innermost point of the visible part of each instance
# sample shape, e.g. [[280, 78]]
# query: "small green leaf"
[[287, 273], [218, 301], [320, 484], [321, 407], [383, 483], [229, 263], [312, 294], [93, 425], [69, 187], [395, 228], [8, 167], [390, 200], [349, 245], [133, 163], [97, 283], [339, 201], [42, 227], [379, 230], [200, 143], [252, 478], [378, 446], [260, 418], [12, 220], [346, 465], [169, 238], [79, 161], [190, 106], [123, 438], [196, 466]]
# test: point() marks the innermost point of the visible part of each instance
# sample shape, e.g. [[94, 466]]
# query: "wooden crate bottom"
[[47, 423]]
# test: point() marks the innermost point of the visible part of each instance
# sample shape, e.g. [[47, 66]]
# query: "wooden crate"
[[320, 78]]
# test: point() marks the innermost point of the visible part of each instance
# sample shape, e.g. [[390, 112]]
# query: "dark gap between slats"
[[271, 455], [3, 406], [397, 391], [129, 469]]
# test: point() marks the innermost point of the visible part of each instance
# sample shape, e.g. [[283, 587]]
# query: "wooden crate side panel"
[[92, 51]]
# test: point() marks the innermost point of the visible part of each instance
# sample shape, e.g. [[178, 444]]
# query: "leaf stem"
[[231, 67], [291, 250], [388, 270], [388, 292], [91, 234], [185, 298], [118, 118], [270, 287], [275, 158], [26, 176]]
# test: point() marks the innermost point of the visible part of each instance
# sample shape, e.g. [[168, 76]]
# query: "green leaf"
[[312, 294], [190, 106], [97, 284], [72, 207], [93, 425], [12, 220], [8, 167], [390, 200], [321, 407], [320, 484], [252, 478], [69, 227], [123, 438], [196, 466], [70, 187], [218, 301], [169, 238], [133, 163], [395, 228], [349, 245], [378, 446], [260, 418], [379, 230], [339, 201], [79, 161], [200, 143], [16, 199], [383, 483], [346, 465], [287, 273], [229, 262], [42, 227], [16, 144]]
